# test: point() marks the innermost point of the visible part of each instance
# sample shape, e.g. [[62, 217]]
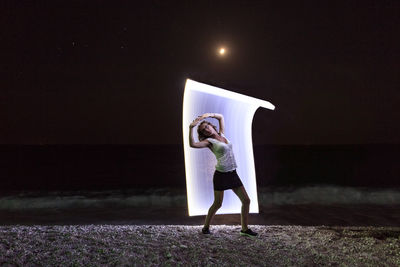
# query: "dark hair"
[[200, 133]]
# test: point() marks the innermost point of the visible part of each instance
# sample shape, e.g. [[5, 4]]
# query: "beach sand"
[[110, 229], [185, 245]]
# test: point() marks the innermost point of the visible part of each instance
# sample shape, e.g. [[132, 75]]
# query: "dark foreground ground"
[[184, 245], [98, 230]]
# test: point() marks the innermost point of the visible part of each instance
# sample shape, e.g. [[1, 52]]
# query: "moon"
[[222, 51]]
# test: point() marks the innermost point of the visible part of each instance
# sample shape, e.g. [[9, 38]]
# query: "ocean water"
[[176, 197], [115, 167], [318, 205], [123, 184]]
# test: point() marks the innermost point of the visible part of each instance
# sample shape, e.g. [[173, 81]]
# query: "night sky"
[[113, 72]]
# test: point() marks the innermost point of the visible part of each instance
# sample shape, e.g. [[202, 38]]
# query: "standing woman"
[[225, 176]]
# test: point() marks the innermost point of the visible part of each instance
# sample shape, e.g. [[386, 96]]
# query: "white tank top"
[[224, 154]]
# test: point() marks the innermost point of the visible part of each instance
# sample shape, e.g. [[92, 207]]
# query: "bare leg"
[[218, 197], [242, 194]]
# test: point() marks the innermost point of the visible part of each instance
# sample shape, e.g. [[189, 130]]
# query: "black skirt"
[[226, 180]]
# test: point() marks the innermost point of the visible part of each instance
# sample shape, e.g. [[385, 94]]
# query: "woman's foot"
[[248, 232], [205, 230]]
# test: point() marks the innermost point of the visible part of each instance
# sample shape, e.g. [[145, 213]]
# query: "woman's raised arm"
[[220, 118], [192, 143], [217, 116]]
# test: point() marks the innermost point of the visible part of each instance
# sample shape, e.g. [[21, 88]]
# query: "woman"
[[225, 176]]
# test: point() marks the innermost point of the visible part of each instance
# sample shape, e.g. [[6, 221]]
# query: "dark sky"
[[113, 72]]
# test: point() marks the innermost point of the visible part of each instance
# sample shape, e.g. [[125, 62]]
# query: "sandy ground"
[[184, 245], [117, 235]]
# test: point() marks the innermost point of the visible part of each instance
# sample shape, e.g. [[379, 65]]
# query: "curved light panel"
[[238, 111]]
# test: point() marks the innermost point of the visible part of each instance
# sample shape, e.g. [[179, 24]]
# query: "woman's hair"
[[200, 133]]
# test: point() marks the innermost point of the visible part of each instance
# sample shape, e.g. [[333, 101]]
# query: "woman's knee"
[[246, 201], [217, 204]]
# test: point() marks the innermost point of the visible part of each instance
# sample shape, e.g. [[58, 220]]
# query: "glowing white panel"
[[238, 111]]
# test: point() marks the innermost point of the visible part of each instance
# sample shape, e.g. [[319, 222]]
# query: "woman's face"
[[207, 129]]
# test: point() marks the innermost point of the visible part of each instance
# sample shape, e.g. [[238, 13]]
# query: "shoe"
[[205, 230], [248, 232]]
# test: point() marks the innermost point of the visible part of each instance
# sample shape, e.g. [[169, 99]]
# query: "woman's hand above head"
[[211, 115], [195, 122], [198, 119], [203, 116]]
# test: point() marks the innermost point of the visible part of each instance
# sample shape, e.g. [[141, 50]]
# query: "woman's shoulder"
[[210, 140]]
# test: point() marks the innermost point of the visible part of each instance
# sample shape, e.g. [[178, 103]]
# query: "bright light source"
[[238, 111], [222, 51]]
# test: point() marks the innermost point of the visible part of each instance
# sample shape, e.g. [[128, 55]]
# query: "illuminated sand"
[[180, 245], [238, 111]]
